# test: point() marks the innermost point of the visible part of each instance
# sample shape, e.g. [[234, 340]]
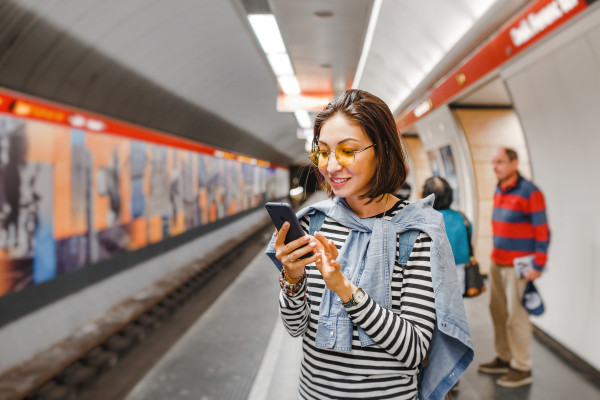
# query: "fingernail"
[[285, 224], [312, 244]]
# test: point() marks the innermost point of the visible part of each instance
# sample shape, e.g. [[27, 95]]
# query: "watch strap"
[[352, 302], [349, 303]]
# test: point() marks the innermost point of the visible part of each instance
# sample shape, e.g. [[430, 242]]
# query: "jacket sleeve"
[[404, 332]]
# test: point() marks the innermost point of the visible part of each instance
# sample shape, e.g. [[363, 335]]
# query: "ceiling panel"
[[312, 41]]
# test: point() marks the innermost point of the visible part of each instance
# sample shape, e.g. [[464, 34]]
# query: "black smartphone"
[[281, 212]]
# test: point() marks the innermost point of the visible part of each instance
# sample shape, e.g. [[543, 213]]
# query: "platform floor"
[[238, 349]]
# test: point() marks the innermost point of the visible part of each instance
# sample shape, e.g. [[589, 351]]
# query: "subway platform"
[[239, 349]]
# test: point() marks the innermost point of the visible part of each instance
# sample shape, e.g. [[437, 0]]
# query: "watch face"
[[358, 296]]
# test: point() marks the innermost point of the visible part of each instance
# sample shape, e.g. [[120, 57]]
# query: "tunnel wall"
[[556, 92], [91, 208]]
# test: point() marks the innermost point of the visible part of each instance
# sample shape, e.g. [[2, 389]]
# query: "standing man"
[[520, 228]]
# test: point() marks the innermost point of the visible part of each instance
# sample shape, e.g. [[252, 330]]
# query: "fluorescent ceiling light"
[[281, 64], [266, 30], [289, 84], [367, 44], [303, 119]]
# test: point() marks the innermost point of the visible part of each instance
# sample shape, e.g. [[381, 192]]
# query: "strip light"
[[281, 64], [303, 119], [267, 32]]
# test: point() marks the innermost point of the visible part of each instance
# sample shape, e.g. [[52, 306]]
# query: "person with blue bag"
[[457, 225], [377, 304]]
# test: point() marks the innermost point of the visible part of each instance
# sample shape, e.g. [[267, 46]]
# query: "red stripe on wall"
[[32, 108]]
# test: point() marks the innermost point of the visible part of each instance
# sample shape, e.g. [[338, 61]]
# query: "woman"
[[364, 302], [458, 234]]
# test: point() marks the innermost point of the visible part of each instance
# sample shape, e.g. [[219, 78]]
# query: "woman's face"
[[351, 180]]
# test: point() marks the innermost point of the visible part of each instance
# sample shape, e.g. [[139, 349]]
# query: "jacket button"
[[331, 333], [444, 324]]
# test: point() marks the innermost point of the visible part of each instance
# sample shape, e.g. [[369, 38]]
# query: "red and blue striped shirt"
[[519, 223]]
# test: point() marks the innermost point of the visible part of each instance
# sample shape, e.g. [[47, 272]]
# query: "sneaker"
[[498, 366], [515, 378]]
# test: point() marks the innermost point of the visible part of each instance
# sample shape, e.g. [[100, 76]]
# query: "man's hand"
[[533, 274]]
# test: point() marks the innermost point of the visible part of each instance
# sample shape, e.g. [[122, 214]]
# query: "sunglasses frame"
[[336, 156]]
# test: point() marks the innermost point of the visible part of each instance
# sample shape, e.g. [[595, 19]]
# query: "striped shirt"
[[519, 223], [387, 369]]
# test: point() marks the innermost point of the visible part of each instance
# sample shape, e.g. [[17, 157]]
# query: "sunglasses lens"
[[344, 154], [318, 157]]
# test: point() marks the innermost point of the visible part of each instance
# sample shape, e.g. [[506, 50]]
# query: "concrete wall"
[[556, 92]]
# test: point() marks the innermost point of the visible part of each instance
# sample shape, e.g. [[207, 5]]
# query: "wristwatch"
[[356, 299]]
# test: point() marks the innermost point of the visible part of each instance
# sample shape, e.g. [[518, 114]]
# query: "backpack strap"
[[316, 222], [468, 226]]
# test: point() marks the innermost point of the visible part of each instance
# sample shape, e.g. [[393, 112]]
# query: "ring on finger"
[[290, 258]]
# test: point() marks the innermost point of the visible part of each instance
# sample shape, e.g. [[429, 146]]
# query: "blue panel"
[[138, 199], [44, 259]]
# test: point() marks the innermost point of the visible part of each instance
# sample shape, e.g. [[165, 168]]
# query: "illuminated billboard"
[[76, 189]]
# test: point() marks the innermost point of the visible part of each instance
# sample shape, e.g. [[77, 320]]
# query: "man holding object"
[[520, 229]]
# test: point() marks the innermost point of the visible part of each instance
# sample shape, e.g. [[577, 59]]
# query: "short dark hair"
[[442, 190], [377, 121], [511, 153]]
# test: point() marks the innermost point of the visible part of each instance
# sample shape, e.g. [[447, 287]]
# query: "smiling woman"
[[364, 301], [352, 124]]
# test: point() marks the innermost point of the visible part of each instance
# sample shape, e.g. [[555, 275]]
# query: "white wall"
[[26, 336], [556, 92]]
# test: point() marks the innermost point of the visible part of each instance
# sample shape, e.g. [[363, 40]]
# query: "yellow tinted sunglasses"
[[344, 154]]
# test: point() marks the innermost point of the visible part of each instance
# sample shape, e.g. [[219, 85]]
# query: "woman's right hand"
[[289, 254]]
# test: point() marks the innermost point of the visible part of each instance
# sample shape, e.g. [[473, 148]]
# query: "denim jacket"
[[371, 244]]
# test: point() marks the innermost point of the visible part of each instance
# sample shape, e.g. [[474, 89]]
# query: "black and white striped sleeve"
[[294, 310], [405, 333]]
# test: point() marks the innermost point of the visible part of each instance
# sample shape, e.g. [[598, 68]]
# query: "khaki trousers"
[[512, 328]]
